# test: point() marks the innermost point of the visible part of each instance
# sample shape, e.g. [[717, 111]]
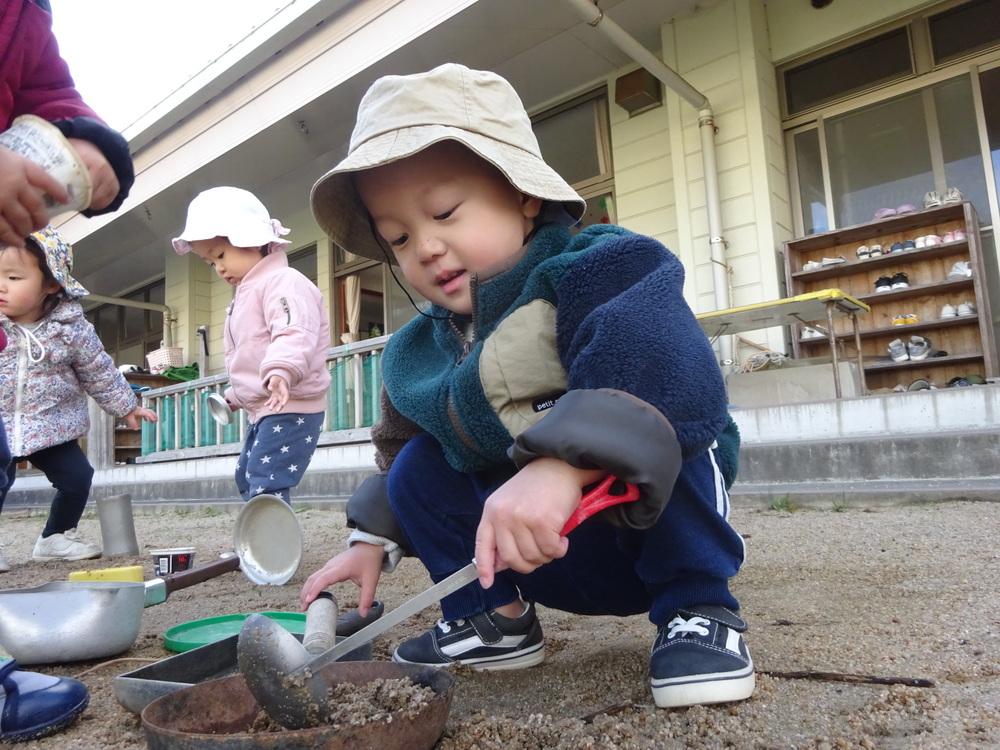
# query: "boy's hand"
[[103, 179], [522, 520], [22, 187], [278, 389], [134, 418], [361, 563]]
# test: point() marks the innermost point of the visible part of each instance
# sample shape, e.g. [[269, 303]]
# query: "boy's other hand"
[[23, 185], [278, 389], [361, 563], [102, 175], [523, 519], [135, 417]]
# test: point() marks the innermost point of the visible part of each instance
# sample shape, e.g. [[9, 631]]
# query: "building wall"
[[797, 28], [723, 51]]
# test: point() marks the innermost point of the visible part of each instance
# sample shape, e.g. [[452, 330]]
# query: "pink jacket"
[[277, 325]]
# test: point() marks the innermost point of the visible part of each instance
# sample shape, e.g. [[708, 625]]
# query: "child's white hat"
[[233, 213], [401, 115], [59, 258]]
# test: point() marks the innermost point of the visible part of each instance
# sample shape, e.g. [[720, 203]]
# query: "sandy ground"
[[897, 592]]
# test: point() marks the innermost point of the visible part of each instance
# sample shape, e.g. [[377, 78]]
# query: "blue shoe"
[[487, 641], [34, 705], [699, 657]]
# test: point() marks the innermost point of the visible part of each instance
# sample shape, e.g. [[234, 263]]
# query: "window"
[[889, 154], [858, 68], [965, 30], [130, 333]]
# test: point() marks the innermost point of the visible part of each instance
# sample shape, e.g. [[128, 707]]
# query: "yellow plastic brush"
[[128, 573]]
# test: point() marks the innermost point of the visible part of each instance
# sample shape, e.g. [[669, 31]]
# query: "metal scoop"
[[284, 680]]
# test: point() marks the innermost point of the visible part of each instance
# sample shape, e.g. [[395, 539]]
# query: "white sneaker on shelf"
[[4, 565], [953, 195], [967, 310], [66, 546], [949, 311], [959, 271]]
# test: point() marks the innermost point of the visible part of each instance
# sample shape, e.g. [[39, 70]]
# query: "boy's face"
[[231, 263], [23, 287], [447, 214]]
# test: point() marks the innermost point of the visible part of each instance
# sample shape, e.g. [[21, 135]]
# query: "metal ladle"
[[285, 681]]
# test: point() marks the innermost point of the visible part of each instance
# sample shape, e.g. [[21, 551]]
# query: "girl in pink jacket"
[[277, 337]]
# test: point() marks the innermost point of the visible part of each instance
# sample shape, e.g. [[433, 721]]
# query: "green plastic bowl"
[[197, 633]]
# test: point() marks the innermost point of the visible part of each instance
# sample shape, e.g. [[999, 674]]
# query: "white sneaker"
[[949, 311], [967, 310], [67, 546], [959, 271], [4, 565]]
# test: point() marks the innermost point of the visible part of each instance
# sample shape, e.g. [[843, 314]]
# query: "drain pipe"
[[168, 318], [595, 17]]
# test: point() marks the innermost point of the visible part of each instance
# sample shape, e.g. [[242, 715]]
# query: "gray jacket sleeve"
[[614, 431]]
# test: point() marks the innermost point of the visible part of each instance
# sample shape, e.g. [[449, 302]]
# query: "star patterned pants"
[[276, 453]]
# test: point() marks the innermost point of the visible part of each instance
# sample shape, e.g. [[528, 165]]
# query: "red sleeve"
[[35, 78]]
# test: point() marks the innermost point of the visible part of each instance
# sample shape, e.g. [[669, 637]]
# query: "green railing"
[[185, 422]]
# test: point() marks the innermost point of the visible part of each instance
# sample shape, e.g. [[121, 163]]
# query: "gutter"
[[594, 17]]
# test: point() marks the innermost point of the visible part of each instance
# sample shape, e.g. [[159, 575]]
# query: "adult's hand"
[[23, 185], [102, 175]]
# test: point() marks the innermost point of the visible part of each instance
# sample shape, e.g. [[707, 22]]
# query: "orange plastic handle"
[[597, 500]]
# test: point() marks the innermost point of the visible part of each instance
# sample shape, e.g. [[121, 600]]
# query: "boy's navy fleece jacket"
[[585, 350]]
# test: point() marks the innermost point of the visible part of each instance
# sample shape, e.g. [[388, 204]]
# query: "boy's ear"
[[530, 206]]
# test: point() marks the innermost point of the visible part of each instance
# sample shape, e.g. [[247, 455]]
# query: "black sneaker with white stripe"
[[487, 641], [699, 657]]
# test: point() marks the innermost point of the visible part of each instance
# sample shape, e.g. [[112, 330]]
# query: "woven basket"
[[167, 356]]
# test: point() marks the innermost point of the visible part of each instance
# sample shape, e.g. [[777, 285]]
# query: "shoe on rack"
[[909, 245], [884, 213], [863, 252], [966, 310], [4, 565], [812, 333], [932, 199], [953, 195], [919, 348], [975, 379], [899, 320], [906, 208], [833, 261], [36, 705], [949, 311], [959, 382], [875, 251], [699, 657], [919, 385], [811, 265], [899, 280], [960, 271], [959, 235], [487, 641], [897, 351], [66, 546], [883, 284], [896, 247]]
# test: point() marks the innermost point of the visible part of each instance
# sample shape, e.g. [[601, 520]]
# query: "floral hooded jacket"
[[46, 375]]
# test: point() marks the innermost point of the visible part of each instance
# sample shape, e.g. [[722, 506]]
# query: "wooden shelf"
[[968, 340]]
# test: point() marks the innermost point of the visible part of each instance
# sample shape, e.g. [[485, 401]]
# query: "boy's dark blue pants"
[[67, 467], [686, 558], [276, 452]]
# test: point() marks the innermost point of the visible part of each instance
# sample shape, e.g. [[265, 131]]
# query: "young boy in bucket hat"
[[277, 337], [545, 363], [52, 362]]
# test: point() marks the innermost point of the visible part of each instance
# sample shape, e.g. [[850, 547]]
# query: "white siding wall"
[[723, 52]]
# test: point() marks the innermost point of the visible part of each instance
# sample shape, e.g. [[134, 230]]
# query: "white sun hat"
[[233, 213], [401, 115]]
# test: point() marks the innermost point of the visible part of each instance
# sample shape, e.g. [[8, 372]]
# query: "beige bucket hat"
[[401, 115]]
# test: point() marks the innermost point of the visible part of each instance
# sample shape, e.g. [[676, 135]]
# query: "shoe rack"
[[967, 340]]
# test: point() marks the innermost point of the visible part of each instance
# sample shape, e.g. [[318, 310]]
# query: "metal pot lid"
[[268, 539]]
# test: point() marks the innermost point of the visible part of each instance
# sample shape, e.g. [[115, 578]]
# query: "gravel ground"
[[900, 594]]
